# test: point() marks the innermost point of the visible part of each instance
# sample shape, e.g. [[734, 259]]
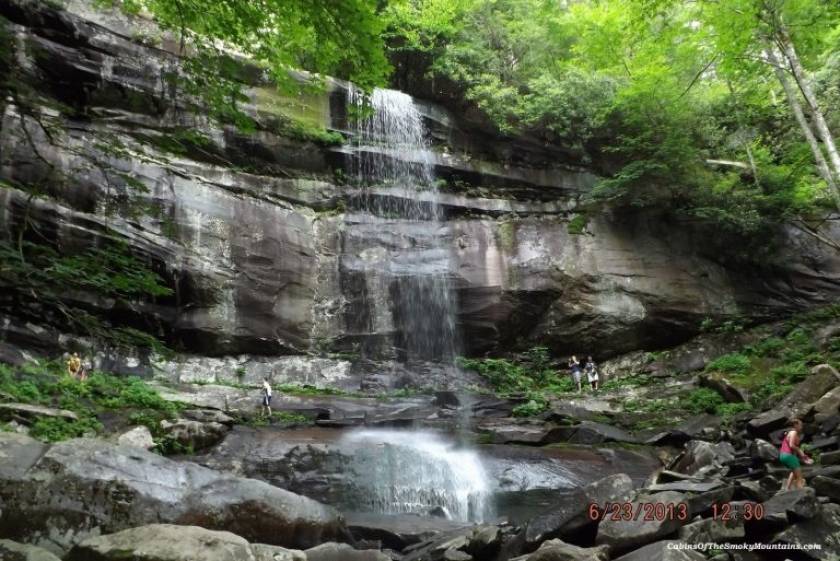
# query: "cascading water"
[[406, 295], [394, 168], [417, 471]]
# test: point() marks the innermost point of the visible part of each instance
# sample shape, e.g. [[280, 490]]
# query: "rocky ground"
[[232, 491]]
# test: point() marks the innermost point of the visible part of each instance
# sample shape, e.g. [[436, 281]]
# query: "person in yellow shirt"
[[74, 365]]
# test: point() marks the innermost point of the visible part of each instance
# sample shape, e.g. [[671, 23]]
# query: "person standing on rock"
[[790, 454], [591, 373], [574, 367], [266, 398]]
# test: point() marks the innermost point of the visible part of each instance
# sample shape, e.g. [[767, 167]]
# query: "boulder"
[[562, 521], [794, 505], [827, 406], [701, 455], [822, 379], [194, 435], [822, 529], [663, 551], [762, 450], [456, 555], [512, 431], [769, 421], [165, 542], [27, 412], [702, 503], [719, 383], [827, 487], [42, 488], [397, 531], [686, 486], [139, 437], [622, 535], [483, 541], [590, 432], [343, 552], [14, 551], [692, 428], [611, 489], [207, 416], [557, 550], [751, 490], [713, 530], [830, 458]]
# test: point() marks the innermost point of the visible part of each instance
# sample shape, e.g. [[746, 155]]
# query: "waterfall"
[[394, 168], [417, 471]]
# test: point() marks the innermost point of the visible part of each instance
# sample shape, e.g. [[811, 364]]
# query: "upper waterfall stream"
[[394, 168]]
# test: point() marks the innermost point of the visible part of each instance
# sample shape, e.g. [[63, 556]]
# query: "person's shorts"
[[266, 400], [790, 461], [576, 376]]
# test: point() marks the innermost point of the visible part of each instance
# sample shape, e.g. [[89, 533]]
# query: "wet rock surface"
[[14, 551], [44, 487], [163, 542]]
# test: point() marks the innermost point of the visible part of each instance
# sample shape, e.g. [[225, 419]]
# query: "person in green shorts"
[[790, 454]]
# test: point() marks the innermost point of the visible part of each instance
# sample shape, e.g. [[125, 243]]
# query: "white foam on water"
[[416, 471]]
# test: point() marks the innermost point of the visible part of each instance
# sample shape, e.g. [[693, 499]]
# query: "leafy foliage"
[[669, 100], [531, 376], [339, 38], [40, 271], [46, 383]]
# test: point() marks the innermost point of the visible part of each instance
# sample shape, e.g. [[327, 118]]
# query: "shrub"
[[735, 363], [52, 429], [770, 347], [790, 373], [702, 400], [728, 410], [532, 407]]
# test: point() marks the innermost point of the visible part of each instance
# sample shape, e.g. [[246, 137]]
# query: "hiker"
[[790, 454], [591, 373], [74, 365], [574, 367], [266, 398]]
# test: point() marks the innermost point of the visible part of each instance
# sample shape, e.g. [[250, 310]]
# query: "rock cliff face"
[[255, 232]]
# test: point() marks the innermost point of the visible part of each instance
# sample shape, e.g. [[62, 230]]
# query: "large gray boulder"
[[570, 517], [765, 423], [343, 552], [822, 529], [61, 494], [194, 435], [701, 456], [165, 542], [822, 379], [14, 551], [663, 551], [827, 406], [639, 529], [713, 530], [557, 550], [139, 437], [793, 505]]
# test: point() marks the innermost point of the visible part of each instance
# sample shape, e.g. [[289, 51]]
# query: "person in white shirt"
[[266, 397]]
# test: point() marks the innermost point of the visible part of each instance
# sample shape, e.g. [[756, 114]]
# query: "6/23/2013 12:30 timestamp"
[[659, 511]]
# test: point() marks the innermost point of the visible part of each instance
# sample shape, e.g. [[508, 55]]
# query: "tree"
[[343, 39]]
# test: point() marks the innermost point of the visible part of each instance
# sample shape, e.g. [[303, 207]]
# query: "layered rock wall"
[[255, 232]]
